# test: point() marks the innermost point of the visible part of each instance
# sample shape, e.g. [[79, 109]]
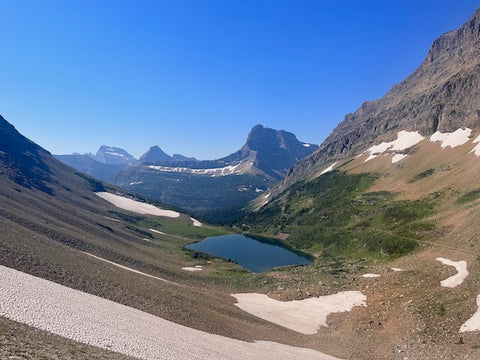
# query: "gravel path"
[[95, 321]]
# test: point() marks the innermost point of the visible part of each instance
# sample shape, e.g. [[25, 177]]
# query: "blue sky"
[[195, 76]]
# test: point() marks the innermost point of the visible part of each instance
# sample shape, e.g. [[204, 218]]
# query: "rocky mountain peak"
[[155, 154], [113, 155], [455, 43], [443, 94], [272, 151]]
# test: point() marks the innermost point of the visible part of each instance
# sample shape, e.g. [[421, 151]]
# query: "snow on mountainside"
[[113, 155], [227, 183], [443, 94]]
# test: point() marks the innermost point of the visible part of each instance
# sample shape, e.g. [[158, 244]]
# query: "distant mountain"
[[155, 154], [88, 165], [107, 162], [273, 152], [113, 155], [217, 185], [180, 157]]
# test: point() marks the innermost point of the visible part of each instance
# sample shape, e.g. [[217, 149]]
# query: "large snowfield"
[[95, 321], [136, 206]]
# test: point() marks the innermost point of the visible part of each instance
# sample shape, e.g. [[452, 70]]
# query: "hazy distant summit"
[[113, 155], [156, 154]]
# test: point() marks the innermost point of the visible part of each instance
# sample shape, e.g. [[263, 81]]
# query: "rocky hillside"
[[443, 94]]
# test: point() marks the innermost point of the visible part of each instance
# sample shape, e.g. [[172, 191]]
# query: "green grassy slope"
[[336, 215]]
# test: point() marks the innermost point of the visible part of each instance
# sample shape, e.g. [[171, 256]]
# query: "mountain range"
[[388, 206], [56, 227], [204, 188]]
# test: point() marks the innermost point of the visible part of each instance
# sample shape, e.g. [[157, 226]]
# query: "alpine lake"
[[255, 254]]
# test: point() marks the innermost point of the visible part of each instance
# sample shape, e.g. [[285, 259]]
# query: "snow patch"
[[196, 222], [472, 324], [370, 275], [304, 316], [223, 171], [307, 145], [114, 153], [454, 139], [156, 231], [455, 280], [265, 199], [330, 168], [405, 140], [396, 269], [116, 327], [397, 157], [476, 149], [192, 268], [136, 206]]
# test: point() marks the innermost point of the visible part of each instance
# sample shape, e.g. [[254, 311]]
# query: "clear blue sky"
[[194, 76]]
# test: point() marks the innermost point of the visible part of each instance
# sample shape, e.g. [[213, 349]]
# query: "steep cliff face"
[[272, 151], [442, 94]]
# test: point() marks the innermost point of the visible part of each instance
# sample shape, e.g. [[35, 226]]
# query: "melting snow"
[[457, 138], [397, 157], [457, 279], [370, 275], [196, 222], [304, 316], [99, 322], [330, 168], [473, 324], [405, 140], [476, 149], [158, 232], [397, 269], [114, 153], [224, 171], [136, 206], [191, 268]]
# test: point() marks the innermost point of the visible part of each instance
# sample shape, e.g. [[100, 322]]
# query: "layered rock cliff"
[[442, 94]]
